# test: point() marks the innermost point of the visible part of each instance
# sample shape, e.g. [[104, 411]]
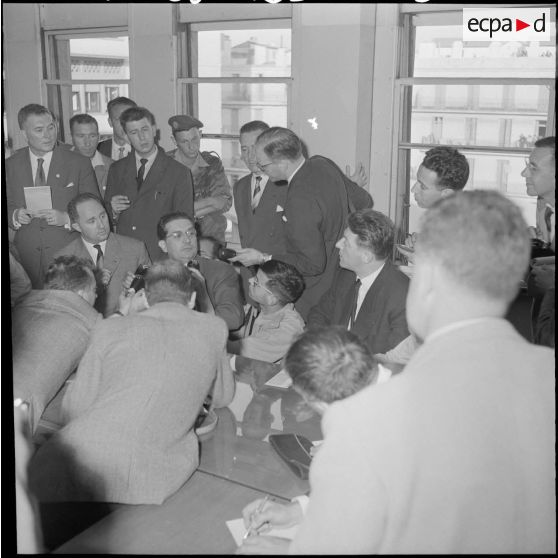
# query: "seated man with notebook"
[[270, 331]]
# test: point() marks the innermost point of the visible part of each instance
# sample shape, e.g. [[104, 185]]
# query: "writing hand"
[[248, 256], [119, 204], [53, 217], [272, 514], [23, 216]]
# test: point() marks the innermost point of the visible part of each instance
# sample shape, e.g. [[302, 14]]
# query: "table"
[[192, 521]]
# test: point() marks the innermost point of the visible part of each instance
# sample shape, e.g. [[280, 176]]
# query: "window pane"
[[246, 52], [99, 58], [498, 115], [488, 171], [440, 51], [224, 108]]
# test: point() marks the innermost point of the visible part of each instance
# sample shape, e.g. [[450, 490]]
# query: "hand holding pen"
[[262, 515], [253, 524]]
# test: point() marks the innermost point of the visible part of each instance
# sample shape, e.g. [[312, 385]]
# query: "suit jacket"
[[453, 456], [381, 321], [223, 288], [50, 332], [315, 215], [166, 188], [69, 174], [105, 148], [101, 173], [130, 411], [122, 254]]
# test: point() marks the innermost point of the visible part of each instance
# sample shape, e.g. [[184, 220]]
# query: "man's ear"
[[163, 246], [192, 301], [24, 134], [446, 192], [76, 227]]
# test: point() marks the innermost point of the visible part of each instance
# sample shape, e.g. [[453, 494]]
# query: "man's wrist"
[[117, 313], [266, 257]]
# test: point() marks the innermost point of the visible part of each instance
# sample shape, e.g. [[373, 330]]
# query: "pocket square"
[[278, 209], [70, 185]]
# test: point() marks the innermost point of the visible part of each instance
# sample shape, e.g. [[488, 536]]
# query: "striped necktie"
[[100, 260], [40, 179], [257, 190]]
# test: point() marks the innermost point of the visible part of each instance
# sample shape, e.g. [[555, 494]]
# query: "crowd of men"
[[116, 267]]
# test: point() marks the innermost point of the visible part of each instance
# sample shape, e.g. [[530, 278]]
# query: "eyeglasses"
[[262, 167], [256, 283], [178, 235], [530, 165]]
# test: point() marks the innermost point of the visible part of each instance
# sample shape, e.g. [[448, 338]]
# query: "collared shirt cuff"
[[17, 224], [303, 502], [233, 362]]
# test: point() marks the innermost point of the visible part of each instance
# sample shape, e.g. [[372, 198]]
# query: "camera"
[[225, 254], [138, 282]]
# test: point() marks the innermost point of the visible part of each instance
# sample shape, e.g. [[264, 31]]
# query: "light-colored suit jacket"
[[129, 413], [122, 254], [101, 173], [455, 455]]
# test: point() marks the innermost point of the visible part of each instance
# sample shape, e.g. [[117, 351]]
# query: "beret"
[[183, 122]]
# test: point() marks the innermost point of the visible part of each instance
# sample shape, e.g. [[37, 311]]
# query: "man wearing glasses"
[[219, 284], [319, 198]]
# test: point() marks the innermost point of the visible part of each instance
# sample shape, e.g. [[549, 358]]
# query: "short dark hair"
[[330, 363], [120, 101], [166, 219], [480, 239], [80, 198], [133, 114], [254, 126], [69, 273], [375, 231], [284, 280], [451, 167], [548, 142], [82, 119], [280, 143], [169, 281], [33, 108]]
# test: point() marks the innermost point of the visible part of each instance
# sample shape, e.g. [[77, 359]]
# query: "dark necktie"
[[100, 262], [356, 288], [141, 172], [121, 152], [40, 179], [257, 190]]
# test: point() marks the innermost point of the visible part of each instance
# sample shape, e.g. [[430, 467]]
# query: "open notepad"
[[280, 380], [237, 529]]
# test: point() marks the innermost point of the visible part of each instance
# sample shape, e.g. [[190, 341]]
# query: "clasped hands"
[[53, 217]]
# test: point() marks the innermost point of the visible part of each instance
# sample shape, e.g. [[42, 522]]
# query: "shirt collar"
[[150, 158], [46, 157], [367, 281]]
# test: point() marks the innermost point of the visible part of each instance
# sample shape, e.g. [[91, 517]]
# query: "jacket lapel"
[[112, 253], [366, 317], [154, 175]]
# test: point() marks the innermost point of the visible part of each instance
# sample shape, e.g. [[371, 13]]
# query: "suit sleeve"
[[398, 329], [306, 248], [111, 181], [87, 181], [183, 199], [321, 314], [14, 191], [144, 258], [348, 503], [225, 297], [224, 385]]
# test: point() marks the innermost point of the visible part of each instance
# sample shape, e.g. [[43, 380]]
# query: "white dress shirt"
[[93, 251], [365, 284], [115, 153], [47, 158], [148, 165], [264, 178]]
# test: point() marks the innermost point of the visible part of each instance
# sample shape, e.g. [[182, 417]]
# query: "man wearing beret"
[[212, 192]]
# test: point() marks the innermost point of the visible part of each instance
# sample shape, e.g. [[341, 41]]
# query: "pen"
[[258, 510]]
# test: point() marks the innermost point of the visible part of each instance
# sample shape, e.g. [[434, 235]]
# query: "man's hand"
[[105, 276], [128, 280], [23, 216], [273, 514], [209, 205], [130, 302], [360, 175], [119, 204], [53, 217], [264, 545], [248, 256]]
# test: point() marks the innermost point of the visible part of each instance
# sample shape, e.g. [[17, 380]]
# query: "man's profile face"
[[350, 251], [539, 173], [248, 150], [181, 243], [114, 121], [274, 169], [188, 142], [258, 287], [41, 132], [141, 134], [426, 189], [92, 221], [85, 138]]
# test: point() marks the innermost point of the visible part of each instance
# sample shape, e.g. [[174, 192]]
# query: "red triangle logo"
[[519, 25]]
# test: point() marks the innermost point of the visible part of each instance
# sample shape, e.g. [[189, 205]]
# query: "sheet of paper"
[[237, 529], [280, 380], [37, 197]]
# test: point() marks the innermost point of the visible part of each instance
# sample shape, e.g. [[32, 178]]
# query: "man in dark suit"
[[319, 198], [147, 184], [374, 307], [113, 254], [118, 146], [258, 203], [42, 231], [218, 290]]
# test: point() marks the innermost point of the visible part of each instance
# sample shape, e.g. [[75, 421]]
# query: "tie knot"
[[258, 179], [143, 161], [40, 160]]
